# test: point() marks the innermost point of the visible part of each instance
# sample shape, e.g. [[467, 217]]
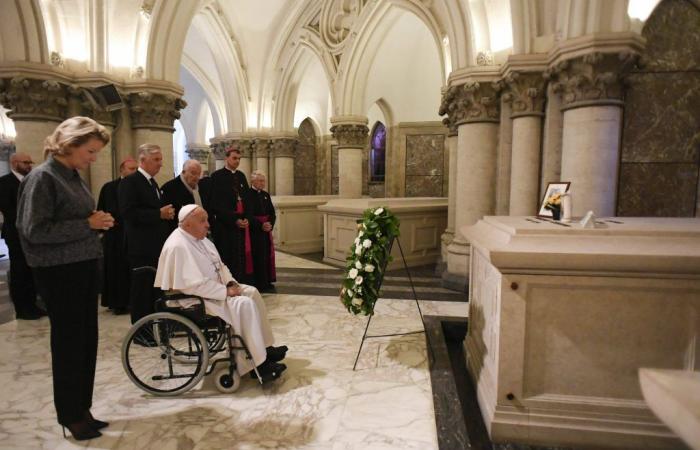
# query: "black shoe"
[[94, 423], [81, 431], [276, 354], [269, 289], [28, 315], [120, 311], [269, 371]]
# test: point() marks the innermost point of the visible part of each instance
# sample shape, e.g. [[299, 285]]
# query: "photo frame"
[[552, 188]]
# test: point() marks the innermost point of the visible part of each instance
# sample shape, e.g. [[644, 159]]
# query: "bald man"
[[21, 280], [184, 188]]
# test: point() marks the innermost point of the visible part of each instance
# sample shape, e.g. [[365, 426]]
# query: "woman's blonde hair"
[[72, 133]]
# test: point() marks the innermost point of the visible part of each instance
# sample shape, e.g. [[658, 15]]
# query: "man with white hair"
[[183, 189], [190, 264], [145, 222]]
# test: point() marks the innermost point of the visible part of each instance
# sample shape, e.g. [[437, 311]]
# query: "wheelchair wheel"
[[227, 382], [214, 332], [153, 351]]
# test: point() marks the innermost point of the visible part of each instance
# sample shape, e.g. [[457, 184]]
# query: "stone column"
[[36, 108], [351, 134], [7, 148], [102, 170], [217, 150], [152, 117], [504, 158], [551, 140], [474, 107], [449, 233], [592, 101], [200, 152], [246, 148], [262, 148], [526, 95], [283, 151]]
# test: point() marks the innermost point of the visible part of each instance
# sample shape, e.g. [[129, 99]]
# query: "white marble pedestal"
[[561, 318]]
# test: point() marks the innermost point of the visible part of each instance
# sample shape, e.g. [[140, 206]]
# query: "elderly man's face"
[[259, 183], [152, 162], [197, 224], [233, 160], [192, 174], [22, 163]]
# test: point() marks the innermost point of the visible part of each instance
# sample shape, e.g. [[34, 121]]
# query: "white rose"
[[358, 264], [359, 290], [360, 234], [369, 268], [367, 243], [357, 241], [357, 301], [351, 293], [358, 250], [352, 273], [378, 211], [342, 292], [358, 280]]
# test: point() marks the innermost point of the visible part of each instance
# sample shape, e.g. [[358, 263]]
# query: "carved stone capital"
[[31, 99], [284, 147], [7, 148], [451, 126], [350, 134], [526, 92], [471, 102], [89, 108], [154, 111], [218, 149], [262, 147], [594, 79], [198, 152]]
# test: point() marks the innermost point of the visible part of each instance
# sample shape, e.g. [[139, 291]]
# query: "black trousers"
[[70, 292], [21, 280], [142, 293]]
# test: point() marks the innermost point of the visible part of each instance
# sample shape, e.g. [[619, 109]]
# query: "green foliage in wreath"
[[368, 257]]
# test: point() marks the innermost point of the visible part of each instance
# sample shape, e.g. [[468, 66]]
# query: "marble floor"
[[319, 403]]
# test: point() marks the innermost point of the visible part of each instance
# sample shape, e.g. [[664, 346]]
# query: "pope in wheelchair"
[[190, 267]]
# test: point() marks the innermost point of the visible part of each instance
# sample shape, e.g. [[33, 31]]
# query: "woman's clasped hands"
[[100, 220]]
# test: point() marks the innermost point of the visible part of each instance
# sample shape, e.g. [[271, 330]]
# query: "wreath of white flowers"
[[368, 257]]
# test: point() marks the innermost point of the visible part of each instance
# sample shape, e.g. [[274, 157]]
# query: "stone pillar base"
[[456, 277]]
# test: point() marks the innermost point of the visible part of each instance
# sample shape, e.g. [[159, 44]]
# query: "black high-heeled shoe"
[[81, 431], [94, 423]]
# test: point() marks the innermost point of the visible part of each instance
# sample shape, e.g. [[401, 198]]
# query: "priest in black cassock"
[[115, 279], [183, 189], [261, 219], [228, 218]]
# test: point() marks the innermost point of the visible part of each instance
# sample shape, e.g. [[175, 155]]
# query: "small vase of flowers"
[[554, 205]]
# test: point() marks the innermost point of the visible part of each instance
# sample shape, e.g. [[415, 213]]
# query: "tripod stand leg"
[[369, 319]]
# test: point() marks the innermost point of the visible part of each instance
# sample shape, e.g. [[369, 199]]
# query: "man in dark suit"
[[145, 219], [183, 190], [21, 280], [115, 284], [228, 218]]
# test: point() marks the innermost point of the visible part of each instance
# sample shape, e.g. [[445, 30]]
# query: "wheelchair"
[[168, 352]]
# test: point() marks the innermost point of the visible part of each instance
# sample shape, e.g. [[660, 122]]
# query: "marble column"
[[474, 107], [592, 101], [152, 117], [262, 155], [526, 95], [283, 151], [551, 140], [504, 158], [449, 233], [7, 148], [36, 108], [351, 134]]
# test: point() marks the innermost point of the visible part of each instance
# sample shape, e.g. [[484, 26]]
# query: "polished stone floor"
[[319, 403]]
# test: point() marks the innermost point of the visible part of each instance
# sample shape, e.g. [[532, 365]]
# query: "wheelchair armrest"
[[180, 296]]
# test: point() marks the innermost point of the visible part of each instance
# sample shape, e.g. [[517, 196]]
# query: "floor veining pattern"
[[319, 403]]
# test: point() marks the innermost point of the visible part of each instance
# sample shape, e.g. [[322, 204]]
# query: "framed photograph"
[[557, 187]]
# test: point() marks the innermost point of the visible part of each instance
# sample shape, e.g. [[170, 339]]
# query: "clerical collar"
[[19, 176], [145, 174], [231, 170]]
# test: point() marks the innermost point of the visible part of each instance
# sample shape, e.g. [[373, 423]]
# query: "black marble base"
[[454, 282], [457, 414]]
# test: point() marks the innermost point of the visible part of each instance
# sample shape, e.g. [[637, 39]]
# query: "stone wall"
[[425, 159], [660, 160], [305, 161]]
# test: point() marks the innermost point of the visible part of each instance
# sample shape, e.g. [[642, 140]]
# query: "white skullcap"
[[186, 211]]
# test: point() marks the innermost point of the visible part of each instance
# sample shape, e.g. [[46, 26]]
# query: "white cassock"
[[194, 267]]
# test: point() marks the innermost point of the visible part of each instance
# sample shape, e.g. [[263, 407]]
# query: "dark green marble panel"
[[657, 190], [673, 37]]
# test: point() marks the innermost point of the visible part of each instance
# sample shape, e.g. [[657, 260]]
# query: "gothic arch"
[[23, 34]]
